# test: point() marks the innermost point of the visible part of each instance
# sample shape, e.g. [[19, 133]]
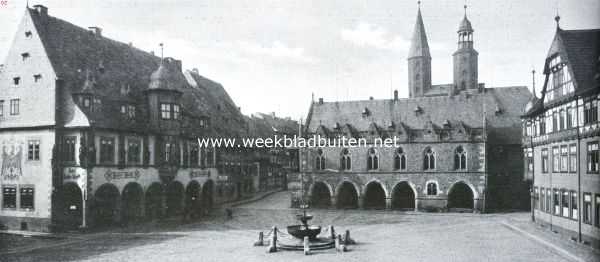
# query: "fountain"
[[304, 230], [304, 236]]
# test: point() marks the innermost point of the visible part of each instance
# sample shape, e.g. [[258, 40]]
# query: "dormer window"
[[25, 56], [37, 78], [28, 34], [86, 102], [16, 80]]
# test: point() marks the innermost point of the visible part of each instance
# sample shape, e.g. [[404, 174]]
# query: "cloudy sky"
[[271, 55]]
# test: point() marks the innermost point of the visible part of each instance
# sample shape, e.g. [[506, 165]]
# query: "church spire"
[[419, 60], [419, 46]]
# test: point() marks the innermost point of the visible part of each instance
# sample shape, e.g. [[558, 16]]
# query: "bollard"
[[261, 238], [332, 231], [347, 239], [273, 242], [306, 247], [341, 246]]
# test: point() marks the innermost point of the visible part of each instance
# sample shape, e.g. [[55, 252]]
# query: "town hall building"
[[460, 142]]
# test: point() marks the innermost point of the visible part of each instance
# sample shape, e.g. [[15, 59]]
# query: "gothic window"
[[345, 161], [372, 160], [429, 159], [400, 159], [460, 158], [320, 160], [432, 189]]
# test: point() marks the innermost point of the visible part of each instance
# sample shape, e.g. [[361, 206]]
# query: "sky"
[[274, 55]]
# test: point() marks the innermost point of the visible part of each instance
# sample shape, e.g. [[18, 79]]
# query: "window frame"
[[27, 194], [69, 142], [545, 160], [593, 157], [429, 161], [12, 189], [556, 159], [14, 106], [460, 158], [134, 158], [372, 159], [33, 150], [107, 156], [434, 187], [587, 208]]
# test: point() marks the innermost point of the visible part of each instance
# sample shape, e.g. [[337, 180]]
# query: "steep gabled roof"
[[583, 49], [468, 109]]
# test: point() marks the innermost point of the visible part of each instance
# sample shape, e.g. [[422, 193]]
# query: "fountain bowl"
[[301, 231]]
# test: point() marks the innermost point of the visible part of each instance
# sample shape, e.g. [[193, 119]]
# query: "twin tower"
[[419, 61]]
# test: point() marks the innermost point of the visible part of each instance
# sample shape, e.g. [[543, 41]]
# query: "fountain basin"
[[301, 231]]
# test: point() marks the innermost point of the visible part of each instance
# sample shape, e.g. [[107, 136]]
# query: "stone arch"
[[106, 205], [346, 195], [153, 200], [71, 202], [132, 199], [208, 190], [404, 196], [461, 195], [174, 196], [320, 194], [193, 198], [374, 195]]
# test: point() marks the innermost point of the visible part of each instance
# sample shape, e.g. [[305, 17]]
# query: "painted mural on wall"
[[12, 157]]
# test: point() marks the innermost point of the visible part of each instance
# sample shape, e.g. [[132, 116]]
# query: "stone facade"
[[458, 148]]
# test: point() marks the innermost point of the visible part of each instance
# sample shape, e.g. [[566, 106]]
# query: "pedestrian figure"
[[229, 213]]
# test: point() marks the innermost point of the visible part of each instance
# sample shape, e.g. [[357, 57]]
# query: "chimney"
[[177, 64], [130, 44], [395, 95], [195, 70], [41, 10], [97, 31], [320, 100], [370, 98]]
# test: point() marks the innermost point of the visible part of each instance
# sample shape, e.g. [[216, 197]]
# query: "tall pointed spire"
[[419, 60], [419, 45]]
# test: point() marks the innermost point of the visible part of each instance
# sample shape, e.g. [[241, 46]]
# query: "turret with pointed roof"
[[419, 60], [465, 58]]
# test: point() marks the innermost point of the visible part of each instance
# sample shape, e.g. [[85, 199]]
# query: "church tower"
[[419, 60], [465, 58]]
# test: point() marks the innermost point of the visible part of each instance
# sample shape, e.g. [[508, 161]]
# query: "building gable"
[[29, 77]]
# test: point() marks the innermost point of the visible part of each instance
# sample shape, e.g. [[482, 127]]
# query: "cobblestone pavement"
[[381, 236]]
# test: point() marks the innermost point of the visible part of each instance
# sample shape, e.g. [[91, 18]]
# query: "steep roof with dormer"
[[501, 107]]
